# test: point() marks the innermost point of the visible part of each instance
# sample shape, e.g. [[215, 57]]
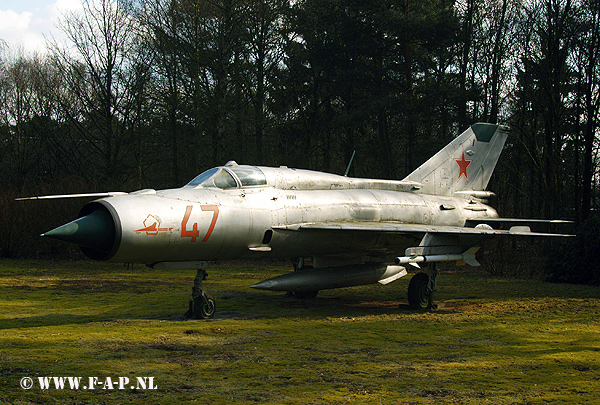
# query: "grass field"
[[497, 341]]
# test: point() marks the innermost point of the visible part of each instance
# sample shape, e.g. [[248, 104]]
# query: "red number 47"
[[194, 233]]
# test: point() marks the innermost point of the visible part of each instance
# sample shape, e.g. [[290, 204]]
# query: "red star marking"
[[463, 164]]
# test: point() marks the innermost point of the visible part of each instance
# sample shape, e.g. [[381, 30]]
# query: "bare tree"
[[591, 51], [264, 54], [94, 71]]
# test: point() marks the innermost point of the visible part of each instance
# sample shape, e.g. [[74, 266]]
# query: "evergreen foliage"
[[149, 93], [578, 262]]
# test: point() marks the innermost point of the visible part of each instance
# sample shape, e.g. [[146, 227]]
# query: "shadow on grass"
[[141, 298], [327, 304], [37, 321]]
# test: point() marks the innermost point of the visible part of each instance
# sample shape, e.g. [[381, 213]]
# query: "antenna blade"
[[350, 163]]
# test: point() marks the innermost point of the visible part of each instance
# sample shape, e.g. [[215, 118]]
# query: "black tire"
[[417, 291], [204, 307]]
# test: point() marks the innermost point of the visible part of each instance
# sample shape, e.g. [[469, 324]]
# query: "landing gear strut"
[[421, 289], [431, 285], [202, 305]]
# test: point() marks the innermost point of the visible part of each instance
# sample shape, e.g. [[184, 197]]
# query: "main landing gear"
[[421, 289], [202, 305]]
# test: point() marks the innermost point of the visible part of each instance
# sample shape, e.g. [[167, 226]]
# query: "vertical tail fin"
[[465, 164]]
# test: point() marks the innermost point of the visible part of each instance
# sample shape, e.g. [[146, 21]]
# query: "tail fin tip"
[[484, 131]]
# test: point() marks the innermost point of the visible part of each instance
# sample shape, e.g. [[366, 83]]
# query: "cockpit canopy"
[[227, 177]]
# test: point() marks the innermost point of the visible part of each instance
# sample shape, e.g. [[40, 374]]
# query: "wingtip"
[[63, 196]]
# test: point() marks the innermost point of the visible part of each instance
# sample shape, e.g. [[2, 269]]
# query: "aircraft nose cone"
[[264, 285], [95, 231]]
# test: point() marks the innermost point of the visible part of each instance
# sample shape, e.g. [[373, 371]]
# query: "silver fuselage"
[[209, 223]]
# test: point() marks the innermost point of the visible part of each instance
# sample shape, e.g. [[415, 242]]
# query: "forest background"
[[149, 93]]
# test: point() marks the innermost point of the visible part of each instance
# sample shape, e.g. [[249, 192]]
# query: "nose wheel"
[[202, 305]]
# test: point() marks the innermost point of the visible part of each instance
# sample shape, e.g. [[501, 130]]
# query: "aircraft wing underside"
[[438, 242], [412, 229]]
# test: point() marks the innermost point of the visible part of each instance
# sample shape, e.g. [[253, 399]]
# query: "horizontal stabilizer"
[[518, 226], [506, 221]]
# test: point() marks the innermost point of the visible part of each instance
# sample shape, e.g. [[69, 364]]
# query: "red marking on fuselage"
[[184, 232], [194, 233], [215, 211], [154, 228]]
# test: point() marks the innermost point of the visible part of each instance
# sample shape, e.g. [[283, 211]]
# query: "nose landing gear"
[[202, 305]]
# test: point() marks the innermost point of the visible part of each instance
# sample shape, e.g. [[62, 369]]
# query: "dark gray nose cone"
[[94, 231]]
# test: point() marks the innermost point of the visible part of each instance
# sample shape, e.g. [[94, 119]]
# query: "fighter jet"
[[352, 231]]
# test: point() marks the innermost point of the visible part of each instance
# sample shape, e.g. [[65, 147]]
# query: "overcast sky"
[[26, 22]]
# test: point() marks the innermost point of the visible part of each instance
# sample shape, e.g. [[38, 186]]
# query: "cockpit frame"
[[222, 176]]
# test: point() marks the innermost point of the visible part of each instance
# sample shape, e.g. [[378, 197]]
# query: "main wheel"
[[204, 307], [417, 291]]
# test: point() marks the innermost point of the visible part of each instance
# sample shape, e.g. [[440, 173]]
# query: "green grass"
[[497, 341]]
